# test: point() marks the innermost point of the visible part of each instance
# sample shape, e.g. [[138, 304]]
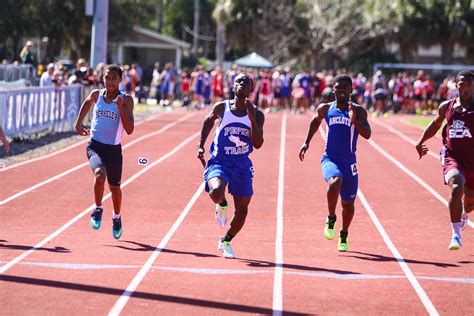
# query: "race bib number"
[[143, 161], [252, 171], [354, 169]]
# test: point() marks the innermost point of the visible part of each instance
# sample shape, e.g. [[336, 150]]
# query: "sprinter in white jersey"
[[240, 129], [112, 114], [345, 120]]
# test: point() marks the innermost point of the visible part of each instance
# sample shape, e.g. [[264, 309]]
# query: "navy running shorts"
[[109, 156]]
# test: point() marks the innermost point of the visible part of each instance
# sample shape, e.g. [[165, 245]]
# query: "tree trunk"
[[447, 49]]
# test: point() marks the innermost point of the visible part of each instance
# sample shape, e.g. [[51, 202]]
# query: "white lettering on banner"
[[30, 110]]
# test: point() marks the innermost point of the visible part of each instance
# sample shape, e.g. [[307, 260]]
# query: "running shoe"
[[96, 218], [455, 242], [329, 228], [117, 227], [226, 249], [221, 215], [343, 244]]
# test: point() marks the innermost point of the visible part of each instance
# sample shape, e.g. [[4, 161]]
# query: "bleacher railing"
[[11, 72], [32, 110]]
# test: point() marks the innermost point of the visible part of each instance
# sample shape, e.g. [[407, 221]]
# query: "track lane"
[[425, 245], [69, 161], [194, 246], [326, 275]]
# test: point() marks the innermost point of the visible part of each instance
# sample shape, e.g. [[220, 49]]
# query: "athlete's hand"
[[200, 155], [352, 113], [250, 109], [119, 101], [422, 149], [303, 150], [83, 131]]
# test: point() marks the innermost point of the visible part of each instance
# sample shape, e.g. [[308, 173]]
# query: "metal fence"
[[31, 110], [16, 72]]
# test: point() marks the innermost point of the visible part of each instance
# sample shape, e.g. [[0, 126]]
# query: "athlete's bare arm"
[[313, 127], [257, 119], [431, 129], [358, 117], [85, 108], [207, 125], [125, 107]]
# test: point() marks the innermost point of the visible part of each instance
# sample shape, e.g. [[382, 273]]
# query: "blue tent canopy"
[[254, 60]]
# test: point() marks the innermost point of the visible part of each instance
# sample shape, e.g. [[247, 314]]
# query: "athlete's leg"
[[347, 214], [99, 180], [116, 197], [217, 187], [334, 187], [456, 183], [468, 199], [241, 204]]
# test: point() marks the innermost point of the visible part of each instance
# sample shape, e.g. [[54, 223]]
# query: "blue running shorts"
[[237, 173], [347, 170]]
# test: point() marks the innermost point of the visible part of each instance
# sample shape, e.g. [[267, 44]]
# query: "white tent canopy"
[[254, 60]]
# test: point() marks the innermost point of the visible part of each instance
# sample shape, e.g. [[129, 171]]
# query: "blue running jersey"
[[106, 126], [232, 137], [341, 135]]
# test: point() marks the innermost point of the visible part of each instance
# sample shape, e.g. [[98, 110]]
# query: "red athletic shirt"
[[458, 135]]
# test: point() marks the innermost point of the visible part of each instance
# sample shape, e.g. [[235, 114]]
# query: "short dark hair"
[[343, 78], [116, 68], [466, 74]]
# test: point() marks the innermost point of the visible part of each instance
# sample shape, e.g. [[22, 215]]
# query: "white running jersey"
[[232, 137]]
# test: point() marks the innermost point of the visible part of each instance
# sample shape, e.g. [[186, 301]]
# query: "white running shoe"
[[221, 215], [226, 249], [455, 242]]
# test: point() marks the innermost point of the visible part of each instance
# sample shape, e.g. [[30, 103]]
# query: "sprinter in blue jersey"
[[112, 114], [240, 129], [345, 120]]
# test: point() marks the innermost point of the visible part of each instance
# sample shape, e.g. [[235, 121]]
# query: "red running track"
[[52, 262]]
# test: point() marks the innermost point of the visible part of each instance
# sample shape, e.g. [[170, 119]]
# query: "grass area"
[[424, 121], [420, 121]]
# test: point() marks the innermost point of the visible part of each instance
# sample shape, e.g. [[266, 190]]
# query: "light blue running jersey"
[[233, 137], [341, 138], [106, 124]]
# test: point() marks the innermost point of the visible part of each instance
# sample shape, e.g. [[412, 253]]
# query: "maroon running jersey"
[[458, 135]]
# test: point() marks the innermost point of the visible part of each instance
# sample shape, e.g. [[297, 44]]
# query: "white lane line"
[[404, 137], [401, 261], [122, 301], [210, 271], [278, 277], [62, 174], [7, 266], [69, 147], [411, 141]]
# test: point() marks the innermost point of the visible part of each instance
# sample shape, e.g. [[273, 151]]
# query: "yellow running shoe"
[[343, 243], [329, 228]]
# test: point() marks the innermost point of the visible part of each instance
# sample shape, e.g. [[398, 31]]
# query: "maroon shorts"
[[450, 165]]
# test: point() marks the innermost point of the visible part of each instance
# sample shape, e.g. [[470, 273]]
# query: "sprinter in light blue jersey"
[[345, 121], [112, 114], [240, 129]]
